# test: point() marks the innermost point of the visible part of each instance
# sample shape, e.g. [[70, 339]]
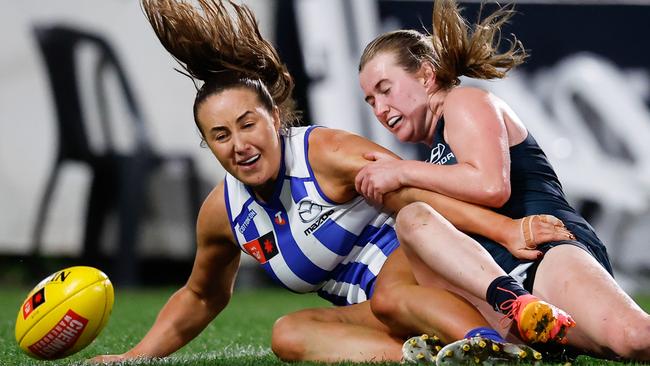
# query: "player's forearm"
[[465, 216], [182, 319], [460, 181]]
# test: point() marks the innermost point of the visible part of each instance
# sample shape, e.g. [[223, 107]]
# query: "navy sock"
[[485, 332], [502, 289]]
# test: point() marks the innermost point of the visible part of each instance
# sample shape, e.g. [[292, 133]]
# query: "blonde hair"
[[455, 49], [222, 50]]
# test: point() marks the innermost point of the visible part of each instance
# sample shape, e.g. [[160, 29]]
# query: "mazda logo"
[[309, 211]]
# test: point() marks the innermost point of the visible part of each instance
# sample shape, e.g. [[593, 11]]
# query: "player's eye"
[[221, 136]]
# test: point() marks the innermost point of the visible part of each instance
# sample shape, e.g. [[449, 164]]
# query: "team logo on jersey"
[[308, 210], [318, 222], [438, 155], [263, 248], [278, 218]]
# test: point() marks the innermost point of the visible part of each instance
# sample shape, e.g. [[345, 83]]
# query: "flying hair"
[[461, 49], [455, 48], [218, 45]]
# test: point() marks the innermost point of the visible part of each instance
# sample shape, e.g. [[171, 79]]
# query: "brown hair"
[[454, 49], [223, 51]]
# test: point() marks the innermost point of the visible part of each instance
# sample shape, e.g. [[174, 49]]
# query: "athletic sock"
[[502, 289], [485, 332]]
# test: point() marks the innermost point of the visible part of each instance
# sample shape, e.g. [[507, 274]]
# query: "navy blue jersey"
[[535, 189]]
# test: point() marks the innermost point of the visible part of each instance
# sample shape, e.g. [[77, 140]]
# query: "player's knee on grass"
[[287, 338]]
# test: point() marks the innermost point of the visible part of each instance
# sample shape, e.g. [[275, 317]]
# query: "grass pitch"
[[239, 336]]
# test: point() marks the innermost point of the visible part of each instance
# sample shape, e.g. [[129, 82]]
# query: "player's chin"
[[405, 136]]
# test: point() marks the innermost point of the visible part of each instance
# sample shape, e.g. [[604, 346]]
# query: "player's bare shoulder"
[[339, 150], [463, 95], [212, 223], [336, 157]]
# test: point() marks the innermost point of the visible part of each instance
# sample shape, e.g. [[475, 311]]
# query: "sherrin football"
[[64, 312]]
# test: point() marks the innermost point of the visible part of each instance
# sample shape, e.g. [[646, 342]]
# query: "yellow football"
[[64, 312]]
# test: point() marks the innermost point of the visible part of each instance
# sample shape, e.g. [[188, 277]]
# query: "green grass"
[[239, 336]]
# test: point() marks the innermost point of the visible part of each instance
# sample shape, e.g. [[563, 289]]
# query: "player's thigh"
[[396, 271], [306, 319], [572, 279], [394, 284]]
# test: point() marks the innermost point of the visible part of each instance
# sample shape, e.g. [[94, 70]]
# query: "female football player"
[[289, 200], [482, 153]]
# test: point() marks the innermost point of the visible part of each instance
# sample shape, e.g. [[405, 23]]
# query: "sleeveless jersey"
[[305, 241], [535, 189]]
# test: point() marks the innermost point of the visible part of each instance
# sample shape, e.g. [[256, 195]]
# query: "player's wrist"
[[404, 174]]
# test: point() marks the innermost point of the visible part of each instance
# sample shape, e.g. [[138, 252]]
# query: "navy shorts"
[[524, 271]]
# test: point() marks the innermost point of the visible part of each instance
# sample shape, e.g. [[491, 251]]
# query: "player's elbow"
[[495, 195], [211, 302]]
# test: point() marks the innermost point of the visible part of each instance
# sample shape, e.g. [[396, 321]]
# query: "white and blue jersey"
[[305, 241]]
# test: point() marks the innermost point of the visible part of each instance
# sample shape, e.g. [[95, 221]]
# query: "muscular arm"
[[477, 132], [336, 157], [206, 292]]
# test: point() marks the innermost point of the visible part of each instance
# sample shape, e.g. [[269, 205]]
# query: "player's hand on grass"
[[104, 359]]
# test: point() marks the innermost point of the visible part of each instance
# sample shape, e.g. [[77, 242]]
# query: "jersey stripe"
[[296, 259], [341, 293], [298, 190], [335, 238], [385, 239], [288, 278], [336, 249], [314, 250]]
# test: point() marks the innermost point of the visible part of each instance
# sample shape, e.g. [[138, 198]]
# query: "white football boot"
[[421, 349], [484, 351]]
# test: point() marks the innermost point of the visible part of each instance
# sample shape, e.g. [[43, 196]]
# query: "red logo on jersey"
[[263, 248], [279, 220]]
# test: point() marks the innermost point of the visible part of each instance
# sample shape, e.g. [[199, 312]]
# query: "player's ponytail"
[[221, 48], [460, 50], [454, 49]]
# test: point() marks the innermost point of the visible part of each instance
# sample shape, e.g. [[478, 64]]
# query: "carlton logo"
[[62, 337]]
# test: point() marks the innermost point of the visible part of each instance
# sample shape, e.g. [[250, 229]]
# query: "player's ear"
[[277, 123], [427, 75]]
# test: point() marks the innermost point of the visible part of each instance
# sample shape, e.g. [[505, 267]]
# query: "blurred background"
[[101, 164]]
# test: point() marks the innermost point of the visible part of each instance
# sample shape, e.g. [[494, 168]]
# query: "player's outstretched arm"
[[205, 294]]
